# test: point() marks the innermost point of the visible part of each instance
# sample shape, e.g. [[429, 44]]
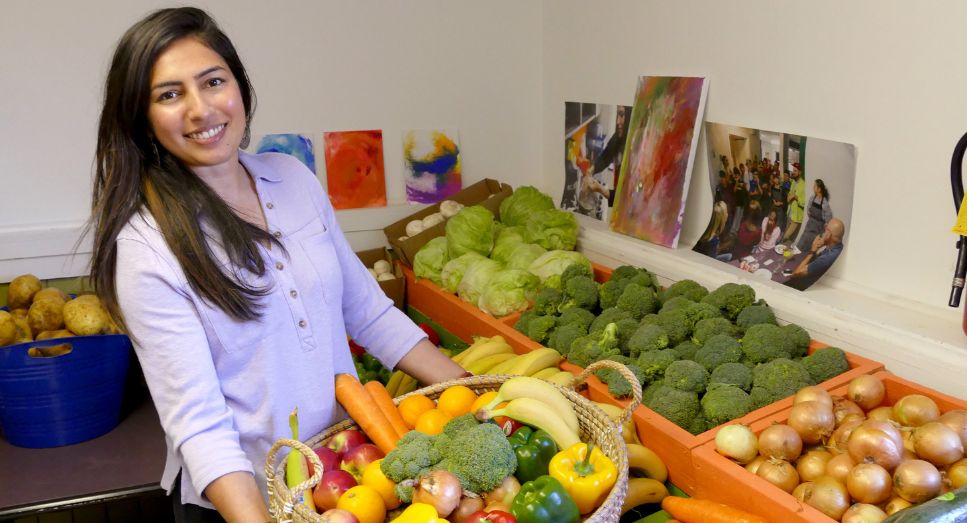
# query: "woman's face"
[[772, 218], [817, 190], [196, 111]]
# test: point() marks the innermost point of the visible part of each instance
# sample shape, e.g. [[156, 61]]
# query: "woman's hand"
[[428, 365]]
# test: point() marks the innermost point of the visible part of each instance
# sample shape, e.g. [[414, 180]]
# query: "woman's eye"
[[215, 82], [167, 95]]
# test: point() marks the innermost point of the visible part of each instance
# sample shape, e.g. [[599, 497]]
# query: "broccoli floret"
[[577, 316], [654, 363], [623, 272], [539, 328], [645, 279], [780, 378], [563, 336], [579, 291], [731, 298], [524, 320], [760, 397], [649, 390], [755, 314], [626, 328], [638, 300], [677, 302], [707, 328], [677, 406], [686, 350], [686, 375], [698, 311], [798, 338], [647, 338], [699, 424], [459, 425], [547, 301], [717, 350], [612, 315], [732, 374], [618, 386], [765, 342], [575, 270], [825, 363], [676, 324], [723, 403], [609, 292], [413, 455], [593, 347], [686, 288], [481, 457]]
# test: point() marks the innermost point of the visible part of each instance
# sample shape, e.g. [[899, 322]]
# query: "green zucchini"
[[945, 508]]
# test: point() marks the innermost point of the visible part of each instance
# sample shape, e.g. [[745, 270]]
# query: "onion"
[[504, 493], [895, 505], [866, 391], [812, 420], [440, 489], [914, 410], [937, 443], [839, 466], [737, 442], [838, 440], [828, 496], [881, 413], [813, 464], [843, 407], [813, 393], [468, 505], [888, 427], [780, 473], [869, 483], [780, 441], [753, 465], [863, 513], [870, 445], [803, 491], [917, 481], [956, 420], [957, 474]]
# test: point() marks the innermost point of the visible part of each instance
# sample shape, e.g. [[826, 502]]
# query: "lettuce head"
[[509, 291]]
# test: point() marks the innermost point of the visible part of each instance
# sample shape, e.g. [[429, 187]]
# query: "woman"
[[749, 233], [771, 232], [228, 270], [708, 244], [818, 214]]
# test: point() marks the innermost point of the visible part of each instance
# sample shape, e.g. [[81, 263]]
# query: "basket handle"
[[625, 373], [309, 454]]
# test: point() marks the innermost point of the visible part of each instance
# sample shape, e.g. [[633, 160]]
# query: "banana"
[[482, 348], [535, 360], [504, 368], [407, 384], [484, 364], [296, 468], [562, 378], [543, 374], [394, 383], [642, 491], [644, 459], [469, 350], [540, 391], [536, 413], [629, 430]]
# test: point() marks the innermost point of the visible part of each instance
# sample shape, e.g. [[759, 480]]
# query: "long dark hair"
[[132, 170], [822, 188]]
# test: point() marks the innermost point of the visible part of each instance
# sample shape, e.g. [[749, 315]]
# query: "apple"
[[330, 460], [344, 440], [355, 460], [333, 483], [338, 515]]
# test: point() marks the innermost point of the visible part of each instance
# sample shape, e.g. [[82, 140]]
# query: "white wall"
[[316, 66]]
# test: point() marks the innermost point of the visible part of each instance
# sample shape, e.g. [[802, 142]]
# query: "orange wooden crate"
[[722, 480]]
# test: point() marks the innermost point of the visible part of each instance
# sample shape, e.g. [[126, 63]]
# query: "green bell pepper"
[[534, 450], [544, 500]]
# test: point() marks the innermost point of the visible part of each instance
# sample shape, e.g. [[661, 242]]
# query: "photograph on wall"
[[663, 134], [354, 169], [293, 144], [782, 202], [594, 144], [431, 165]]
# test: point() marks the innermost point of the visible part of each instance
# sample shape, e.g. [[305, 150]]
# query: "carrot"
[[691, 510], [382, 398], [365, 412]]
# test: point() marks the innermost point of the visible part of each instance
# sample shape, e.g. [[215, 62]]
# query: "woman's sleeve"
[[173, 349]]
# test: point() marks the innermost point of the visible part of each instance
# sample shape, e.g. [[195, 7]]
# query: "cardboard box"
[[395, 289], [488, 193], [722, 480]]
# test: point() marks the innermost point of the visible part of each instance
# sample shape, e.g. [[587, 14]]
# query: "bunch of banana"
[[482, 354], [629, 431], [539, 363], [537, 403], [648, 489]]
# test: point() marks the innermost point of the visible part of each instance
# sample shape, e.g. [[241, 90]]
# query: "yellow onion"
[[896, 504], [869, 483], [829, 497], [863, 513], [780, 441], [956, 420], [866, 391], [917, 481], [813, 420], [937, 443], [780, 473], [813, 464], [839, 466], [881, 413], [813, 393], [914, 410]]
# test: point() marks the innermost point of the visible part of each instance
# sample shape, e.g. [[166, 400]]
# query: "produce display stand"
[[722, 480]]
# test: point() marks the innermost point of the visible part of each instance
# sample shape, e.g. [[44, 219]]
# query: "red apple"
[[333, 483], [330, 460], [338, 515], [344, 440], [355, 460]]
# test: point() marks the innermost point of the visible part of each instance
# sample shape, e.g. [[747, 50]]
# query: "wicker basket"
[[595, 426]]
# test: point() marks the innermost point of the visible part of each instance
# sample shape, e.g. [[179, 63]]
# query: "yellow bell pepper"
[[586, 473], [419, 513]]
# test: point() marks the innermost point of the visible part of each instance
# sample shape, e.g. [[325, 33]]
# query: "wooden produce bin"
[[394, 289], [725, 481]]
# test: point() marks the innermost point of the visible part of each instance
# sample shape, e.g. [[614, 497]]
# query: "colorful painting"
[[354, 169], [660, 150], [431, 165], [297, 145]]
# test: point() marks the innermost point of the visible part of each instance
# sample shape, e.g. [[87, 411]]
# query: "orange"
[[456, 400], [484, 399], [364, 502], [373, 476], [412, 406], [432, 421]]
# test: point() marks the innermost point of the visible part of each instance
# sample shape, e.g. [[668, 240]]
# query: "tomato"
[[494, 516]]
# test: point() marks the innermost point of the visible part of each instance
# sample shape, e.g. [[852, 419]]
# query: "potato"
[[24, 332], [8, 329], [85, 318], [46, 315], [62, 333], [21, 291], [51, 293], [19, 313], [89, 298]]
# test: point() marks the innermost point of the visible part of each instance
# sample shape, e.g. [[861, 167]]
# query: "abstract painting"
[[297, 145], [354, 169], [659, 153], [431, 161]]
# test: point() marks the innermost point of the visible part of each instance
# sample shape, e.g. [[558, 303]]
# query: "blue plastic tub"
[[66, 399]]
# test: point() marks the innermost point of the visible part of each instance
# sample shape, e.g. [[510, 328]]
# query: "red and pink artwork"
[[354, 169]]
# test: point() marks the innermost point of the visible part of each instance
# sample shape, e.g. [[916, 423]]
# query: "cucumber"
[[945, 508]]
